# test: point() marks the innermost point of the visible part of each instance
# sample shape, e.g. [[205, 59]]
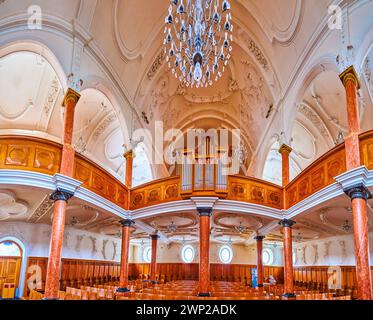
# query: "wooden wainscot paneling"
[[97, 180], [164, 190], [317, 176], [74, 272], [366, 149], [30, 154], [254, 191], [324, 275]]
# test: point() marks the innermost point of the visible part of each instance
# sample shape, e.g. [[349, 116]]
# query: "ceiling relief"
[[238, 224], [11, 207], [368, 74], [44, 208], [280, 23], [315, 119]]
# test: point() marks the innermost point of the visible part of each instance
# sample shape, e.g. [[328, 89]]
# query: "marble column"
[[153, 265], [351, 83], [288, 258], [204, 251], [285, 153], [52, 284], [129, 155], [259, 251], [126, 236], [68, 152], [60, 198], [359, 195]]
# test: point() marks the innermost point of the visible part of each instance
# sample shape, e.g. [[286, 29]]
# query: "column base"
[[154, 282], [50, 299], [123, 290], [260, 285], [203, 294], [289, 295]]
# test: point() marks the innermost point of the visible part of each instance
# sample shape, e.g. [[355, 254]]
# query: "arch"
[[308, 75], [39, 49], [22, 275]]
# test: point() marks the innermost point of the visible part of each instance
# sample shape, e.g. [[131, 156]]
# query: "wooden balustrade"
[[317, 176], [255, 191], [44, 156], [38, 155], [152, 193]]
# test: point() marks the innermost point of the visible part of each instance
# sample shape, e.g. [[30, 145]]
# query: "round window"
[[187, 254], [268, 257], [226, 254], [147, 254]]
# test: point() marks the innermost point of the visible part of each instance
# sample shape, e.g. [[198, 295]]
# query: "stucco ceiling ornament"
[[10, 206]]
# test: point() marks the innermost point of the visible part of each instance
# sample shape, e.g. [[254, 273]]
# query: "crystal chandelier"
[[198, 36]]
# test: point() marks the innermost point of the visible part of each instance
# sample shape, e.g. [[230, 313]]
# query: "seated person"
[[272, 280]]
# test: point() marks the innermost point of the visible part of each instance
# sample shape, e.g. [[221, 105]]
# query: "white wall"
[[334, 251], [77, 244]]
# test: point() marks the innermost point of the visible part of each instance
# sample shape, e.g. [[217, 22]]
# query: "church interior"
[[186, 149]]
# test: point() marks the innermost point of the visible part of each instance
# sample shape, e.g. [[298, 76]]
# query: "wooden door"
[[9, 271]]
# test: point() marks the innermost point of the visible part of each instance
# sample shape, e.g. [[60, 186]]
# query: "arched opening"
[[11, 263]]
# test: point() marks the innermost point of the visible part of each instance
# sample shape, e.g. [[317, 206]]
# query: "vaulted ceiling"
[[281, 85]]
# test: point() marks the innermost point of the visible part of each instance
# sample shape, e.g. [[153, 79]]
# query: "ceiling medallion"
[[240, 229], [172, 227], [197, 42], [346, 226]]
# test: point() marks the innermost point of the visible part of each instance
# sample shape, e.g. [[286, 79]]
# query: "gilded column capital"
[[71, 95], [285, 148], [129, 154], [350, 74]]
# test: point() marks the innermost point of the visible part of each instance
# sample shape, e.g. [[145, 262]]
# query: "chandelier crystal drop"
[[198, 40]]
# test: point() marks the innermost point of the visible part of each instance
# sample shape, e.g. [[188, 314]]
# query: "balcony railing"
[[43, 156]]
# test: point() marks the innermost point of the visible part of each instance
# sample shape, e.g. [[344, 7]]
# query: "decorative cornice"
[[350, 74], [61, 195], [285, 149], [359, 191], [287, 223], [127, 223], [204, 202]]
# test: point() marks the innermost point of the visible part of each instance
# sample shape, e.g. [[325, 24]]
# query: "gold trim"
[[71, 95], [129, 154], [286, 148], [350, 74]]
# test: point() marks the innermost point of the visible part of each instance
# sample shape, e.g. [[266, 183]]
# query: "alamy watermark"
[[35, 20], [335, 21]]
